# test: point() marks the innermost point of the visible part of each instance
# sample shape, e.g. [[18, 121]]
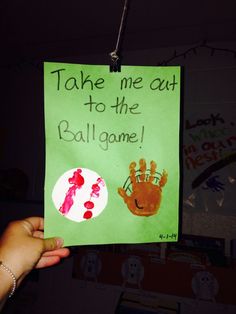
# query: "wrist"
[[8, 281], [11, 261]]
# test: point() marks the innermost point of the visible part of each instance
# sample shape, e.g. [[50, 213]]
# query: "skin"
[[22, 248]]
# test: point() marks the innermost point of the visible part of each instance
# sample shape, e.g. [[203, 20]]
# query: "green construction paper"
[[97, 123]]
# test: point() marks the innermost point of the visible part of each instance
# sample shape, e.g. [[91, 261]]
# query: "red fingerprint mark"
[[94, 193], [77, 179], [77, 182], [89, 205], [88, 214]]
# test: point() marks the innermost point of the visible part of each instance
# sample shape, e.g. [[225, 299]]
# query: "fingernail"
[[59, 242]]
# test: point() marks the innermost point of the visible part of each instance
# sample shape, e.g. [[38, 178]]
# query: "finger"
[[52, 244], [63, 252], [142, 165], [34, 223], [122, 193], [163, 179], [153, 166], [132, 174], [47, 261], [38, 234]]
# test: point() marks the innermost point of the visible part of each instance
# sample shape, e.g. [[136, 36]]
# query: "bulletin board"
[[209, 158]]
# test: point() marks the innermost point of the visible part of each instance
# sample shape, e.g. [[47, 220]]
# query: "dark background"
[[201, 37]]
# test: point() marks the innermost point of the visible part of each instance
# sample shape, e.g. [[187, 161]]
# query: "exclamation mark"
[[142, 136]]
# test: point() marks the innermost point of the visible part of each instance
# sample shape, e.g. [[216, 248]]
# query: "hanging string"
[[115, 58], [37, 64]]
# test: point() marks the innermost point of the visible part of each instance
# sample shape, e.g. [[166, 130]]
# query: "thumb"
[[52, 244]]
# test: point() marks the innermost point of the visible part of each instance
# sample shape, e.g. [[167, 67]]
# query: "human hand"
[[145, 196], [22, 247]]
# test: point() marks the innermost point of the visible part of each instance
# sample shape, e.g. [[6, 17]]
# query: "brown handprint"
[[146, 193]]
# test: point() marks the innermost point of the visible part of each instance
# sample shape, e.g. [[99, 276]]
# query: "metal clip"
[[115, 62]]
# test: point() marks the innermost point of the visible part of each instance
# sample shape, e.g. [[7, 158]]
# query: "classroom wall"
[[209, 82], [209, 78]]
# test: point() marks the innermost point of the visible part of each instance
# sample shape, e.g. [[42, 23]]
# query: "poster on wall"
[[209, 157], [112, 153]]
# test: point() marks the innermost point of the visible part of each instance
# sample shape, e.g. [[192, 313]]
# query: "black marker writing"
[[82, 81]]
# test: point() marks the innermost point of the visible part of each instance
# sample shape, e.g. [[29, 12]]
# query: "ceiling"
[[46, 29]]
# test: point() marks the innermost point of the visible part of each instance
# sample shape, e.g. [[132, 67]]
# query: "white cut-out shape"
[[132, 271], [91, 189], [91, 265], [205, 286]]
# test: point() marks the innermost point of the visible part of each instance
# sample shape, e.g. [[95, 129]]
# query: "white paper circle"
[[74, 196]]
